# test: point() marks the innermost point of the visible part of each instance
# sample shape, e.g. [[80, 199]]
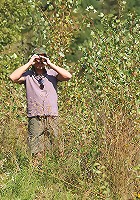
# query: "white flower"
[[94, 11], [14, 55], [92, 33], [61, 54], [75, 10], [89, 8], [101, 15], [124, 2]]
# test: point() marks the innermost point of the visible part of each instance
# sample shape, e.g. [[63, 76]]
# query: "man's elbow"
[[65, 77], [12, 78], [69, 76]]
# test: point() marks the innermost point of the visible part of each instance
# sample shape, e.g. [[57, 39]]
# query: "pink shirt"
[[41, 93]]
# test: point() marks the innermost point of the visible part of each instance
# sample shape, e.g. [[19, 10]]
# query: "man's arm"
[[63, 75], [16, 76]]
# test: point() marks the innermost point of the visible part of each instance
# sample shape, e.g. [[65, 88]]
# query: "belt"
[[42, 117]]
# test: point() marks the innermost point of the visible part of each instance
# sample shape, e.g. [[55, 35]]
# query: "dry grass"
[[100, 155], [120, 151]]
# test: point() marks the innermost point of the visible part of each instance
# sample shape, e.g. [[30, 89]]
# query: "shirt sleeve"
[[27, 73], [53, 72]]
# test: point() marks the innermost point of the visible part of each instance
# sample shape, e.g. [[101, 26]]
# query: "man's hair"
[[39, 50]]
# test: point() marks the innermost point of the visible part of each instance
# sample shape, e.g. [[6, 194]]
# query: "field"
[[98, 111]]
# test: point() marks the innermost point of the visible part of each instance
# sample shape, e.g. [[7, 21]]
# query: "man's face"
[[39, 62]]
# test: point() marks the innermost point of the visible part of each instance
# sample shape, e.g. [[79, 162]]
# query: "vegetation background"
[[99, 42]]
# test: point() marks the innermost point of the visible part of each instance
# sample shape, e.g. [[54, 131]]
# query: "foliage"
[[18, 22], [98, 107]]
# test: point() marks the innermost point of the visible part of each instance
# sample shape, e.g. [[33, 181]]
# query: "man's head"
[[40, 62], [40, 51]]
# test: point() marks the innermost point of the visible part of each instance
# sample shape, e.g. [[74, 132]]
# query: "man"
[[41, 92]]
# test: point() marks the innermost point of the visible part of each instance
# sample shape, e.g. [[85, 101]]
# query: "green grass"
[[100, 155]]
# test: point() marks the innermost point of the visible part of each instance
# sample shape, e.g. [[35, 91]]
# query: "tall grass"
[[100, 154], [119, 145], [99, 119], [105, 136]]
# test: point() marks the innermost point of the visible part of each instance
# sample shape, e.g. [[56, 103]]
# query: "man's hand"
[[16, 76], [33, 59], [63, 75], [45, 60]]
